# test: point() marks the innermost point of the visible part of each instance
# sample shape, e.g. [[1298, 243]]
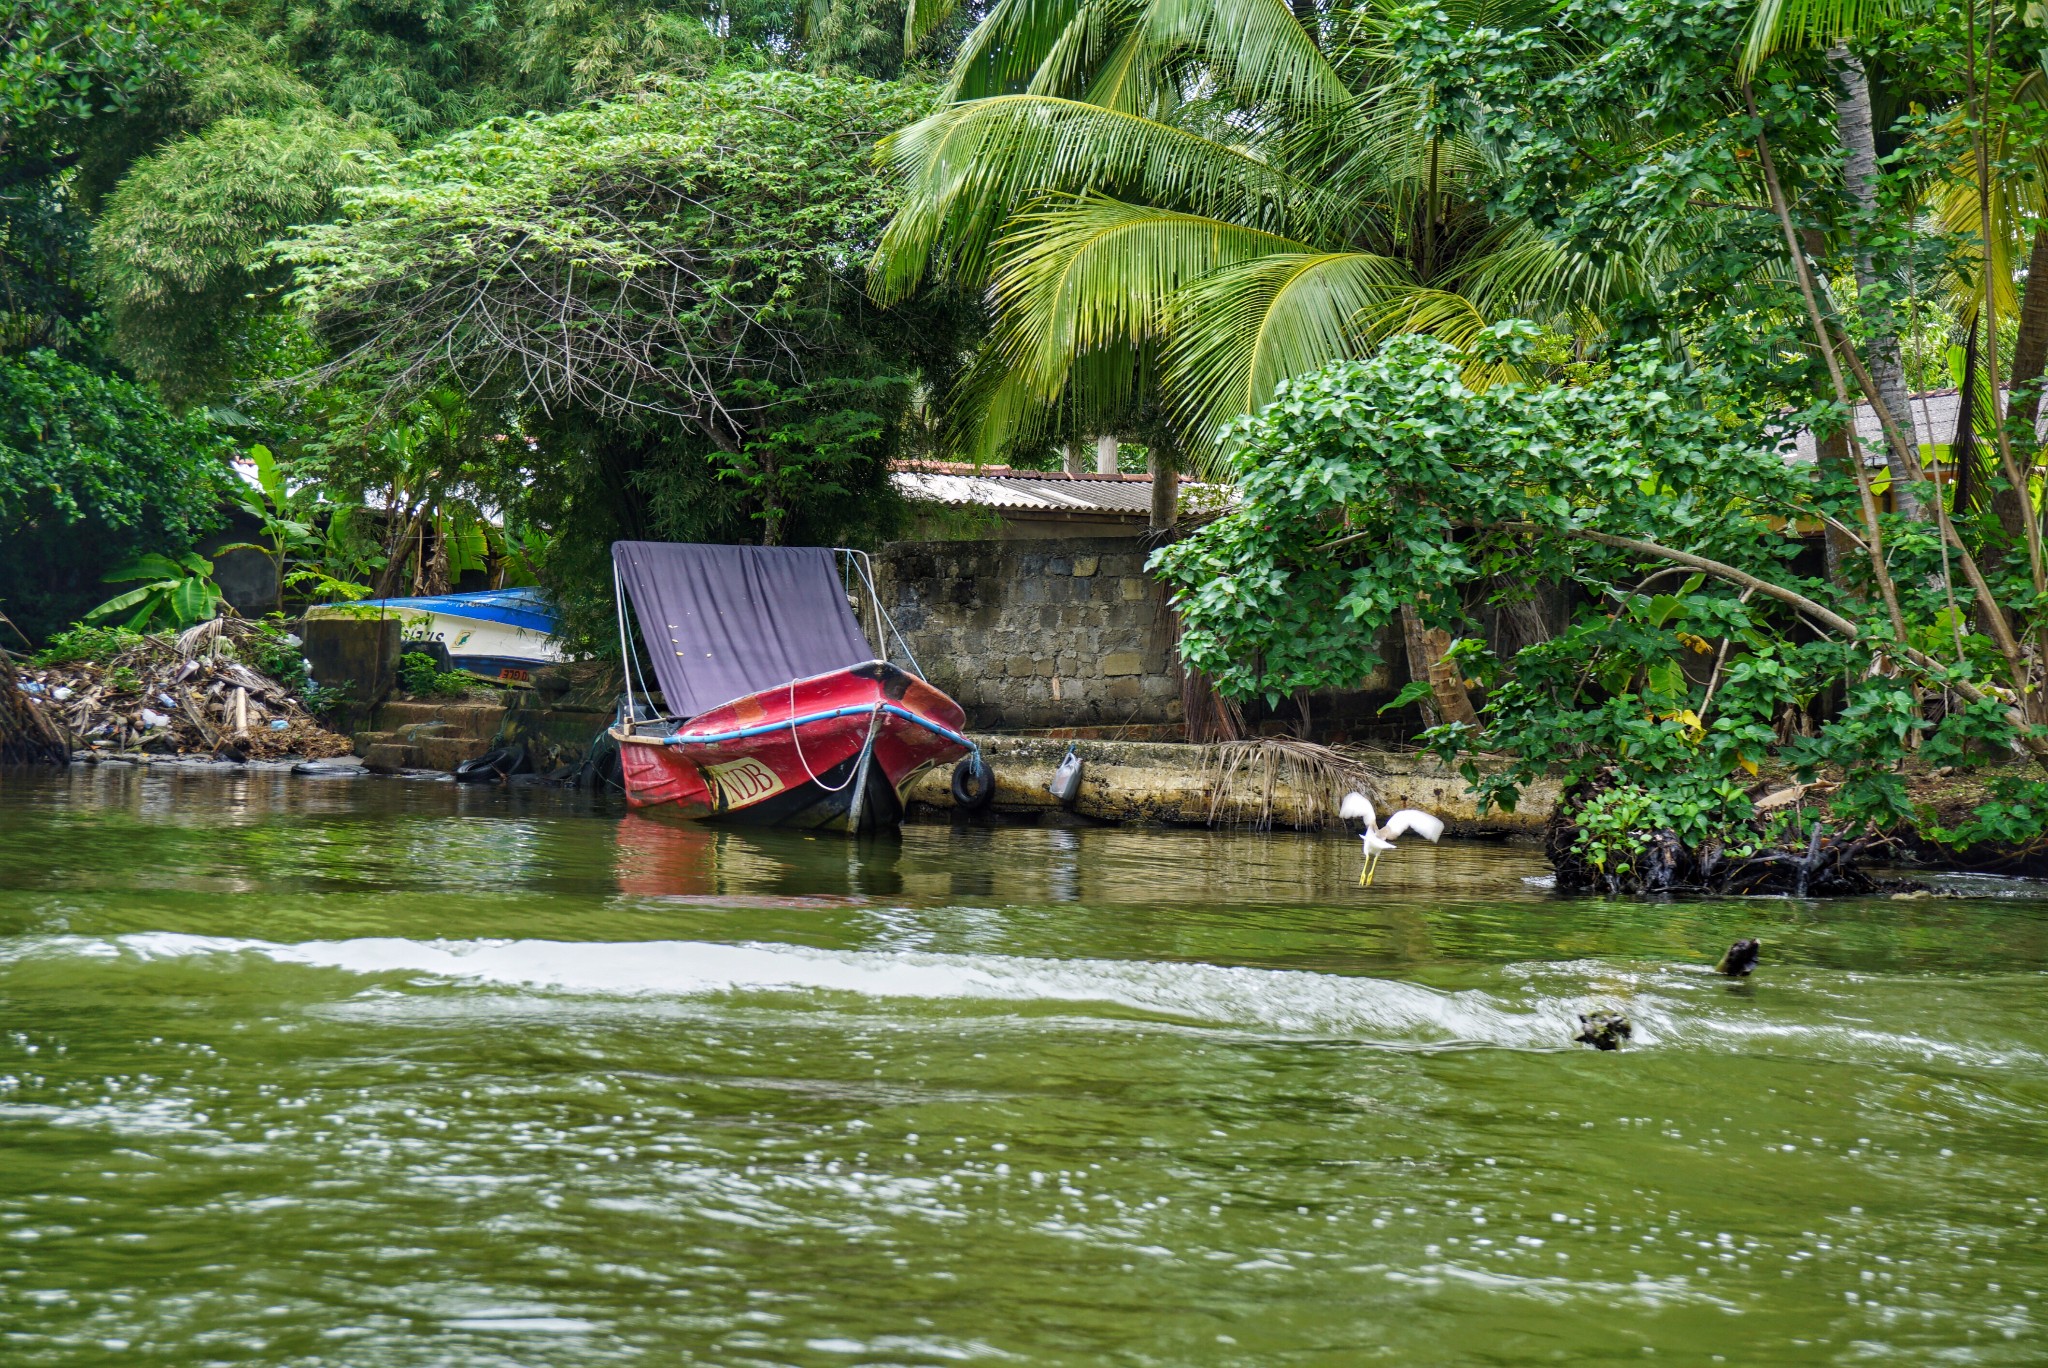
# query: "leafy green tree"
[[93, 469], [1187, 201], [180, 249], [1368, 480], [665, 285], [67, 68], [70, 60]]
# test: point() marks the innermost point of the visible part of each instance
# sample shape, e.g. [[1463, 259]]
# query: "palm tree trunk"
[[1165, 487], [1070, 458], [1859, 173], [1426, 646], [1963, 457], [1105, 455]]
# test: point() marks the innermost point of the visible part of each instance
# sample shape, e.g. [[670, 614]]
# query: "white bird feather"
[[1378, 840], [1411, 819]]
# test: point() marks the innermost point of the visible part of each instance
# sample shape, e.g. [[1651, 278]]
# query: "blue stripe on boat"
[[510, 607]]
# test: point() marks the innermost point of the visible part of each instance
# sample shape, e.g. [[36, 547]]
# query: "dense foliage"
[[679, 267], [93, 470], [152, 154], [1649, 510]]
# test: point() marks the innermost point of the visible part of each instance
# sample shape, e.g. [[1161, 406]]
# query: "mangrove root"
[[1823, 865]]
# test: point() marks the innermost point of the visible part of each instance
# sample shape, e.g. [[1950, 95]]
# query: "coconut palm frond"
[[994, 409], [968, 168], [1301, 783], [1520, 272], [1241, 330], [1783, 25], [1003, 52], [1256, 50], [1083, 275]]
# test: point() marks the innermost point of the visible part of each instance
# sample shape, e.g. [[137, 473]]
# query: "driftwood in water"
[[27, 736], [1822, 865]]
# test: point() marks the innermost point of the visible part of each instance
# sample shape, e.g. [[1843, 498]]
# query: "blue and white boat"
[[497, 633]]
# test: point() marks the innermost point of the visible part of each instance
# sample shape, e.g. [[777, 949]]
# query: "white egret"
[[1380, 839]]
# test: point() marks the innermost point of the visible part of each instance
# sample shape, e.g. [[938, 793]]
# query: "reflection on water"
[[360, 1072]]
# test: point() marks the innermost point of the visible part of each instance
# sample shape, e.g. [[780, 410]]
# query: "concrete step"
[[364, 740], [446, 752], [388, 758], [466, 721]]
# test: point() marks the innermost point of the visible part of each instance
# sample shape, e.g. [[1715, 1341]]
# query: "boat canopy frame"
[[853, 562]]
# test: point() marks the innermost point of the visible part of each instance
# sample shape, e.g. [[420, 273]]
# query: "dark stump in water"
[[1603, 1030], [1822, 865], [1740, 958]]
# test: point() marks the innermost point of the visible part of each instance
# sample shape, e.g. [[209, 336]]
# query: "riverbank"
[[1172, 783], [1123, 782]]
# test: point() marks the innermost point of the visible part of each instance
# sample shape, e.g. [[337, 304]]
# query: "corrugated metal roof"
[[1934, 421], [1036, 490]]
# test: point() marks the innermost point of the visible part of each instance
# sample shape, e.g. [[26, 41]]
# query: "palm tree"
[[1173, 205], [1780, 25]]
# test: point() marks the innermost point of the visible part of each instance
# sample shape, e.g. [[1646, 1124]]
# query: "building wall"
[[1040, 633]]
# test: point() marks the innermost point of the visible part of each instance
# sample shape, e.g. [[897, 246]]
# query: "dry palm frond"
[[1300, 781], [27, 736], [202, 638]]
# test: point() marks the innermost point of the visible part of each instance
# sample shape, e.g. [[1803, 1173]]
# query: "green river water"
[[369, 1073]]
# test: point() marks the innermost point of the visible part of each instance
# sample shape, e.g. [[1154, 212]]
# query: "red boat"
[[822, 735]]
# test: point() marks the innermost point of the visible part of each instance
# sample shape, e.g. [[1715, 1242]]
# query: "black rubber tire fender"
[[974, 783]]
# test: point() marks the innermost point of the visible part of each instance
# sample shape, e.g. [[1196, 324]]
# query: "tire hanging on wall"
[[974, 783]]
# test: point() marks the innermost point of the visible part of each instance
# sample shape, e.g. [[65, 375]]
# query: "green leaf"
[[119, 602], [1414, 691]]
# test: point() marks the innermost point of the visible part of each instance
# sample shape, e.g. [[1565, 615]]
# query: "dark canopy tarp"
[[721, 622]]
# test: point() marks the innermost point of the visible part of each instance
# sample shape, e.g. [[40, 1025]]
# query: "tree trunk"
[[1859, 172], [2029, 358], [396, 557], [1165, 487], [1963, 458], [1426, 646], [1105, 455], [1070, 458]]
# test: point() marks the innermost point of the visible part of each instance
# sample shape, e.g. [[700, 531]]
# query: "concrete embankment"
[[1122, 782], [1138, 782]]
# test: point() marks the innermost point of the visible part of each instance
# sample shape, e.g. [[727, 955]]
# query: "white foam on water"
[[1666, 1005], [1280, 1000]]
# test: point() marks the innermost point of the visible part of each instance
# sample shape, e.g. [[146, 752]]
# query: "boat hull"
[[831, 752]]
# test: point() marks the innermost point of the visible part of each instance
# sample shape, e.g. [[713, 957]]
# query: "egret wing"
[[1410, 819], [1356, 807]]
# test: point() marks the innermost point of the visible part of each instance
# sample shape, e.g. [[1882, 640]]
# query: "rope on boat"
[[797, 740]]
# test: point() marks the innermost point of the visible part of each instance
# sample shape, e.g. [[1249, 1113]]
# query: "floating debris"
[[1603, 1030]]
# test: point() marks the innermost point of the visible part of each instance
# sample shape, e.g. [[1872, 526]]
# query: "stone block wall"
[[1051, 633]]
